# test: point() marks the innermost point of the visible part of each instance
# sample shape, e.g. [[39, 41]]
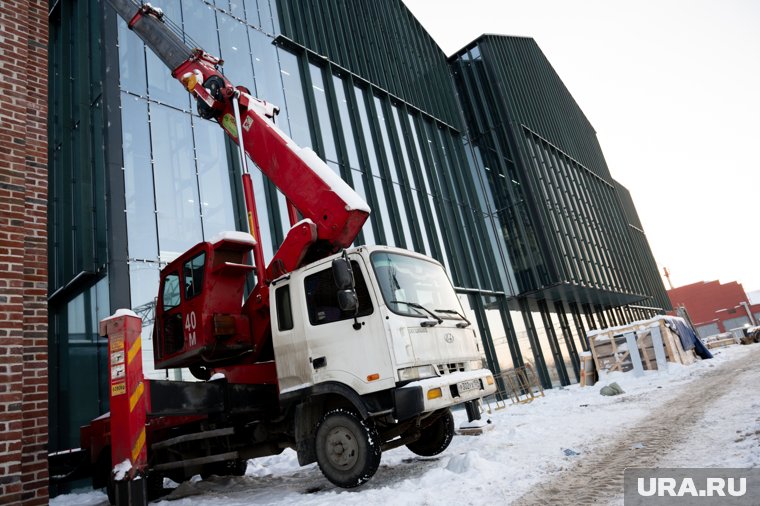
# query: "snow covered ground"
[[531, 445]]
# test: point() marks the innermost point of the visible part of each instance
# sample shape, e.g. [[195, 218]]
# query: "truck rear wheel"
[[436, 437], [348, 448]]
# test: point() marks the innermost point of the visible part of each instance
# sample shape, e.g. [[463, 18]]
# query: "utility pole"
[[667, 276]]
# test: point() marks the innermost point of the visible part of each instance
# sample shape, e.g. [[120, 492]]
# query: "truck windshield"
[[407, 281]]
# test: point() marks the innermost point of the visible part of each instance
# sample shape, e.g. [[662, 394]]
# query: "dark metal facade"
[[566, 227], [484, 162]]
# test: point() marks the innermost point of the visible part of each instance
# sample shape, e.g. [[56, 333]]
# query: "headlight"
[[415, 373], [474, 365]]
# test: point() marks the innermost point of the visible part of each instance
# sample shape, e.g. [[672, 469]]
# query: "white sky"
[[672, 88]]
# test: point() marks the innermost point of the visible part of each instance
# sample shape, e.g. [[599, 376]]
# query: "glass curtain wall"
[[181, 180], [77, 243]]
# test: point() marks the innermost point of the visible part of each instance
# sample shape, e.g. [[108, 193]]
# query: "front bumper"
[[431, 394]]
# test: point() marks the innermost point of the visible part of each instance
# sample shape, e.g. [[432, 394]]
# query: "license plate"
[[466, 386]]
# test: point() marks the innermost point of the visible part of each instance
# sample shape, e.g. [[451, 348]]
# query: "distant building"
[[714, 307]]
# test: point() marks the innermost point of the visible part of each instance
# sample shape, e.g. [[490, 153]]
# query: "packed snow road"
[[669, 434], [569, 447]]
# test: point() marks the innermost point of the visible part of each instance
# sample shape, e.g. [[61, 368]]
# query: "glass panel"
[[237, 9], [267, 71], [521, 333], [76, 319], [233, 41], [251, 12], [179, 223], [381, 206], [200, 25], [101, 302], [368, 142], [358, 179], [275, 17], [323, 113], [214, 177], [499, 337], [131, 61], [143, 283], [265, 14], [291, 83], [143, 288], [138, 179], [393, 170], [345, 122], [162, 87], [543, 341], [420, 217]]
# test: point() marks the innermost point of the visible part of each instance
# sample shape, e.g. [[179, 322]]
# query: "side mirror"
[[347, 300], [342, 273]]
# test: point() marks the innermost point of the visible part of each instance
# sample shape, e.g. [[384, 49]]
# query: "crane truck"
[[337, 352]]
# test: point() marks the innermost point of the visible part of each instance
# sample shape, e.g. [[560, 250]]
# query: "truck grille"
[[450, 368]]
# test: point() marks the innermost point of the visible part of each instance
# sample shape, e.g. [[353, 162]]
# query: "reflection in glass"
[[76, 319], [177, 202], [251, 12], [381, 206], [266, 69], [291, 83], [420, 217], [143, 282], [323, 113], [131, 61], [345, 122], [138, 179], [213, 178], [200, 25], [233, 42], [499, 337], [162, 87], [358, 180]]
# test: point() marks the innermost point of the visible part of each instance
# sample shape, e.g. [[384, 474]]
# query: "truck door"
[[340, 350]]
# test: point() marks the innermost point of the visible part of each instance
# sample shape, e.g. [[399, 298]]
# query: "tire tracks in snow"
[[598, 478]]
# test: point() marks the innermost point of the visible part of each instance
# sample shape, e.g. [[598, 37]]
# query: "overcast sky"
[[672, 88]]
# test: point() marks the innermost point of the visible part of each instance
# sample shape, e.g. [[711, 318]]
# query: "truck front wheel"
[[348, 448], [436, 437]]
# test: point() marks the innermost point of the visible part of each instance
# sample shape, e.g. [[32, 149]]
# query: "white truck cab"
[[408, 330], [381, 373]]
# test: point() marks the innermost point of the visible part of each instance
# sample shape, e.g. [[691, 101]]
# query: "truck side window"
[[170, 296], [322, 297], [193, 274], [284, 311]]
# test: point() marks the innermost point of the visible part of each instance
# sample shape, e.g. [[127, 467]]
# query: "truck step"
[[222, 457], [196, 436]]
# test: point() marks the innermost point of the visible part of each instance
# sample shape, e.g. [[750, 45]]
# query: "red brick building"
[[715, 307], [23, 252]]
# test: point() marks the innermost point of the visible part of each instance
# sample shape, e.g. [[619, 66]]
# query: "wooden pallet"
[[610, 348], [721, 343]]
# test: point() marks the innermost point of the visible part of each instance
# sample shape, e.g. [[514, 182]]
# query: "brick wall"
[[23, 252]]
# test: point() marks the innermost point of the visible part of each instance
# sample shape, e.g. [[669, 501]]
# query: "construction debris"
[[642, 345]]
